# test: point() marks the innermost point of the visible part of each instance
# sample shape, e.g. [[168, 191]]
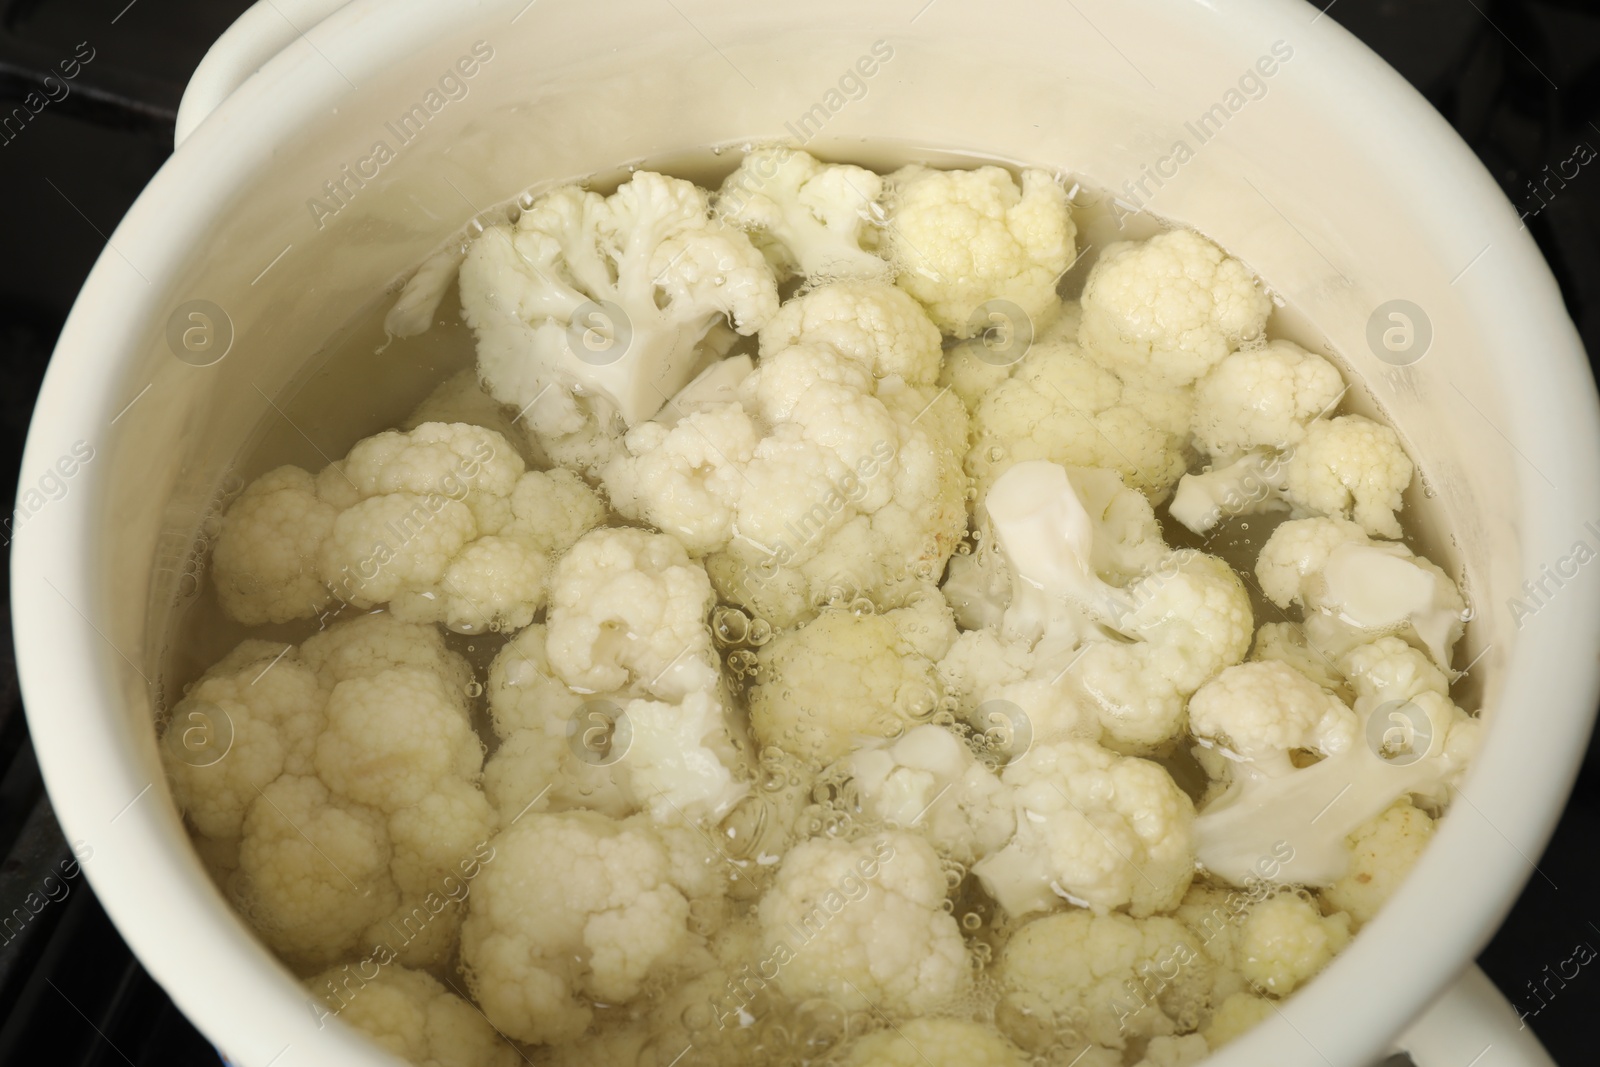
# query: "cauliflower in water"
[[929, 781], [1169, 309], [536, 947], [1382, 853], [1058, 404], [1106, 979], [814, 219], [609, 296], [864, 925], [628, 609], [349, 790], [935, 1042], [960, 238], [1354, 590], [1096, 829], [442, 522], [1132, 654], [839, 679], [1262, 713], [834, 462], [413, 1016], [1263, 398]]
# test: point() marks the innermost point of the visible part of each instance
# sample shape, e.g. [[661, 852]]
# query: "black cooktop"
[[1520, 80]]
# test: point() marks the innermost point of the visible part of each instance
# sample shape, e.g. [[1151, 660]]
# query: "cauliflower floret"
[[1101, 830], [413, 1016], [873, 323], [1259, 713], [1192, 618], [1270, 803], [535, 947], [1382, 853], [809, 218], [1169, 309], [1285, 940], [368, 645], [963, 237], [1354, 589], [930, 782], [346, 805], [932, 1042], [1350, 467], [611, 296], [628, 609], [249, 719], [1263, 398], [1237, 1015], [441, 522], [1061, 406], [814, 477], [265, 563], [313, 870], [837, 679], [1108, 979], [864, 924], [682, 759], [392, 739]]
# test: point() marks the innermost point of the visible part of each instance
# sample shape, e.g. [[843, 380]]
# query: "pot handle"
[[265, 29], [1472, 1023]]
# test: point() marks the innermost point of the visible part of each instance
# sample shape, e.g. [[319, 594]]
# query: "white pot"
[[1339, 184]]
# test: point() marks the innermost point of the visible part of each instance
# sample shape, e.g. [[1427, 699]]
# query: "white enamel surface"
[[1339, 185]]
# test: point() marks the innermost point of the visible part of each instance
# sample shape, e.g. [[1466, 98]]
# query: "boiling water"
[[363, 382]]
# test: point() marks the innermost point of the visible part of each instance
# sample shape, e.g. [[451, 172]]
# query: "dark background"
[[1519, 79]]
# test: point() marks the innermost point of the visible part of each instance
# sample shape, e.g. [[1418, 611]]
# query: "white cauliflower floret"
[[1192, 618], [873, 323], [1108, 979], [1285, 940], [837, 679], [809, 218], [1100, 830], [1059, 405], [392, 739], [536, 948], [265, 563], [1263, 398], [414, 1016], [1353, 589], [628, 609], [1270, 803], [313, 870], [1350, 467], [1169, 309], [440, 522], [609, 296], [347, 803], [864, 924], [934, 1042], [1259, 713], [1382, 853], [368, 645], [681, 759], [963, 237], [930, 782], [252, 717], [818, 476]]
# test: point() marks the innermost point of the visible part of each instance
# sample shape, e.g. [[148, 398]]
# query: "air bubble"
[[474, 690], [971, 921], [996, 454]]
